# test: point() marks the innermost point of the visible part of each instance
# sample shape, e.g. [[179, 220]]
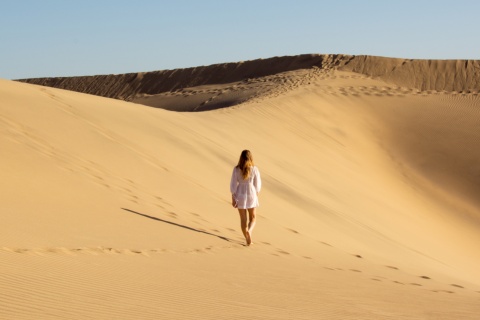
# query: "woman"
[[245, 186]]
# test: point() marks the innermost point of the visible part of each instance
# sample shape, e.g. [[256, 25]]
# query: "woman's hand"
[[234, 201]]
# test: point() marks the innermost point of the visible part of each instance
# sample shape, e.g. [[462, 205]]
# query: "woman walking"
[[245, 186]]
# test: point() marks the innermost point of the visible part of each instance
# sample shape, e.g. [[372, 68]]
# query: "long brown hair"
[[245, 163]]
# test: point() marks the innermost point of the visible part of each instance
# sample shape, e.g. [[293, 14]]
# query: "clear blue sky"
[[46, 38]]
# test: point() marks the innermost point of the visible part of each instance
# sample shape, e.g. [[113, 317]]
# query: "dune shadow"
[[179, 225]]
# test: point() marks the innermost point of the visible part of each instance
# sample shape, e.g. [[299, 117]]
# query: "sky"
[[54, 38]]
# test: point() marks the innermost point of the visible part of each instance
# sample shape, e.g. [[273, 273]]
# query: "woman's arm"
[[233, 187], [234, 182], [257, 181]]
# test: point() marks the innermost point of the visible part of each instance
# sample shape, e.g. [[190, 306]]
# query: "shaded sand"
[[114, 210]]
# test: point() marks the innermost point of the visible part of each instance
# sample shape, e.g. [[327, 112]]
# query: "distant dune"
[[191, 89], [369, 208], [439, 75]]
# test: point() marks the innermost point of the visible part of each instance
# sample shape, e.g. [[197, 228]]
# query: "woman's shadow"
[[179, 225]]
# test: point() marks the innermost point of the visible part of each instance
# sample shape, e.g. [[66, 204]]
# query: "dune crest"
[[133, 85], [227, 84]]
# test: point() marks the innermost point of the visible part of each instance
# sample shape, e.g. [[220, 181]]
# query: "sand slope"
[[116, 210]]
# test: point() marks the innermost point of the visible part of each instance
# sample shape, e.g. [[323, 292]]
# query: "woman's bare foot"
[[248, 238]]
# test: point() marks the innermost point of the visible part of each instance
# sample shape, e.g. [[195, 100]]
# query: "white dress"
[[245, 191]]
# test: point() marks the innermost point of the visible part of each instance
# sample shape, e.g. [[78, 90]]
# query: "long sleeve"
[[257, 181], [234, 181]]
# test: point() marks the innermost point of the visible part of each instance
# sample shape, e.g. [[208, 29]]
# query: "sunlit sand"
[[369, 208]]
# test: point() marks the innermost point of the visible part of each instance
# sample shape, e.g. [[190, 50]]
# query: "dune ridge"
[[127, 86], [242, 81]]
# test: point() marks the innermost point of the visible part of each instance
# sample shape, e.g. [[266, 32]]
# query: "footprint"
[[391, 267], [294, 231], [457, 286], [18, 250], [155, 251], [355, 270], [425, 277], [444, 291], [415, 284], [358, 256], [398, 282]]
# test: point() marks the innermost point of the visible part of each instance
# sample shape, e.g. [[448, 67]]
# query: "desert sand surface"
[[369, 208]]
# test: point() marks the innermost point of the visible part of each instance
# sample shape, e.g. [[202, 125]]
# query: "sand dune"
[[112, 209], [128, 85], [221, 85], [439, 75]]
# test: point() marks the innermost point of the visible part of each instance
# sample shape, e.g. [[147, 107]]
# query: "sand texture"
[[369, 208]]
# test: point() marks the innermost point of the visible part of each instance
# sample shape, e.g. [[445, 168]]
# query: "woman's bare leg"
[[243, 224], [251, 223]]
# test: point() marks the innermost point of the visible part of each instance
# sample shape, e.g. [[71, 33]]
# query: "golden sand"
[[369, 207]]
